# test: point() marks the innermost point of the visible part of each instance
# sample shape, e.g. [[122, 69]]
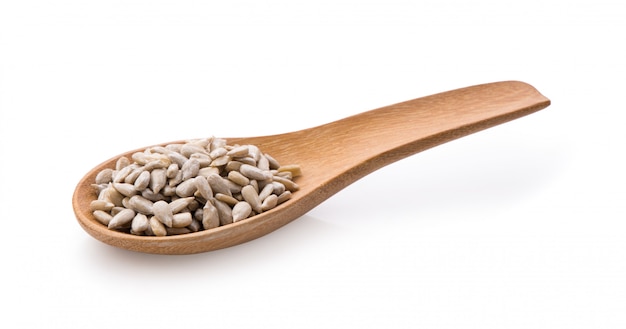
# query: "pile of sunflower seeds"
[[196, 185]]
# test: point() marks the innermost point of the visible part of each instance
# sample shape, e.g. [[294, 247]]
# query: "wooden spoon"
[[333, 156]]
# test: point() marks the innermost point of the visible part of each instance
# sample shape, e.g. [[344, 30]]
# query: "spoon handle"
[[376, 138]]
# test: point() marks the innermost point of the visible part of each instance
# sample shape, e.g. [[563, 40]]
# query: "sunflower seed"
[[121, 163], [270, 202], [176, 180], [102, 216], [195, 226], [189, 148], [121, 174], [158, 160], [210, 216], [179, 204], [101, 205], [279, 188], [203, 159], [289, 184], [263, 163], [208, 171], [142, 181], [121, 218], [251, 196], [267, 190], [177, 158], [181, 219], [218, 152], [254, 152], [224, 211], [141, 205], [284, 197], [157, 180], [171, 171], [125, 189], [273, 163], [139, 224], [218, 185], [163, 212], [238, 178], [218, 162], [157, 227], [111, 195], [190, 168], [241, 210], [186, 188], [203, 187], [104, 176], [238, 151], [150, 195], [231, 201], [254, 172]]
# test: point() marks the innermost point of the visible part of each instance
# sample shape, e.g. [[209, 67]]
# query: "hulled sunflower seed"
[[241, 210], [179, 204], [267, 190], [270, 202], [231, 201], [195, 226], [102, 216], [101, 205], [251, 196], [171, 171], [254, 172], [139, 224], [210, 216], [142, 181], [284, 197], [163, 213], [186, 188], [105, 176], [289, 184], [218, 185], [218, 152], [263, 163], [121, 163], [238, 151], [140, 204], [203, 187], [273, 163], [218, 162], [125, 189], [122, 218], [190, 168], [238, 178], [189, 148], [111, 195], [208, 171], [224, 211], [182, 219], [121, 174], [295, 170], [177, 158], [158, 179], [157, 227]]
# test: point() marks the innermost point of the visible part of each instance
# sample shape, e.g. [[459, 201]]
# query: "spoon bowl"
[[333, 156]]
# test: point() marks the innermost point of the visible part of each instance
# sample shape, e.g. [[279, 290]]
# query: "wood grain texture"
[[333, 156]]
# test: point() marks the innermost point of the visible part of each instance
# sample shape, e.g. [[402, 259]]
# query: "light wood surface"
[[334, 155]]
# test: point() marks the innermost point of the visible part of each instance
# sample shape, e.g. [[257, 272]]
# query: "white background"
[[519, 226]]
